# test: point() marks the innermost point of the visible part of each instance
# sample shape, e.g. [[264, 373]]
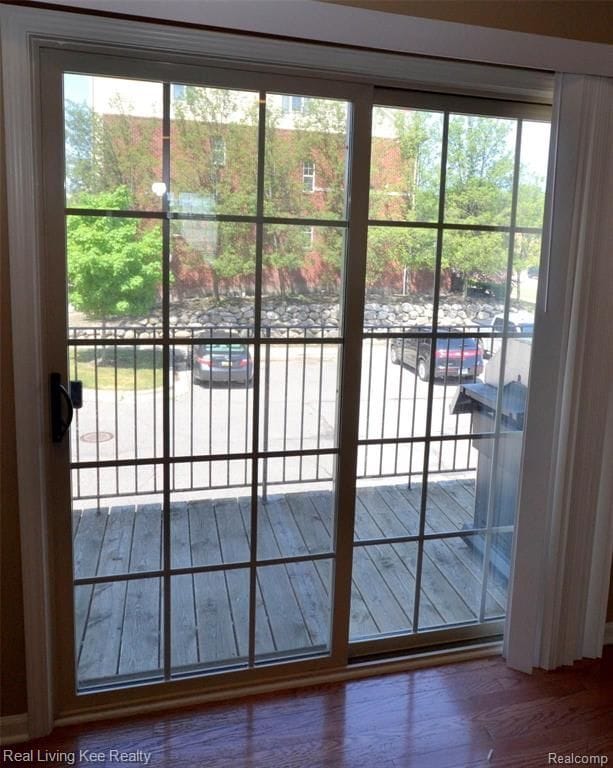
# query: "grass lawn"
[[119, 367]]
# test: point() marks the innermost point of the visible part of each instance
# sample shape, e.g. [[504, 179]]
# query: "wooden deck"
[[119, 624]]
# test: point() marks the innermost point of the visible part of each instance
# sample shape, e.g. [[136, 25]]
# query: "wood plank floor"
[[476, 714], [120, 623]]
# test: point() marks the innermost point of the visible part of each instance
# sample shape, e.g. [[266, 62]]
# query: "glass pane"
[[298, 396], [399, 277], [210, 620], [296, 506], [473, 277], [450, 581], [479, 170], [532, 173], [481, 496], [526, 262], [305, 157], [214, 157], [294, 614], [114, 269], [211, 397], [405, 165], [302, 278], [391, 461], [451, 501], [212, 276], [499, 567], [120, 534], [121, 415], [210, 524], [382, 590], [118, 631], [387, 510], [113, 142], [104, 483]]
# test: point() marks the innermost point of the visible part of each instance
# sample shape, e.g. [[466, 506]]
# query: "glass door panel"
[[456, 205], [206, 235]]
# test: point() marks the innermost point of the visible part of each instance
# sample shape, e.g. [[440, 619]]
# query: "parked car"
[[222, 362], [454, 357], [518, 322]]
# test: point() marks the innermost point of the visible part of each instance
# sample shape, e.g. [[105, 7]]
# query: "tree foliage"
[[114, 264], [214, 170]]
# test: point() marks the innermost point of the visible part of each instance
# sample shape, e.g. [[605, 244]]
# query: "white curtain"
[[564, 538]]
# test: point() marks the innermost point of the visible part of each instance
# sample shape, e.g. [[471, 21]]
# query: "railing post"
[[266, 411]]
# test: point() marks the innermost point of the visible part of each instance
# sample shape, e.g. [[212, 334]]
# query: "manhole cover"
[[97, 437]]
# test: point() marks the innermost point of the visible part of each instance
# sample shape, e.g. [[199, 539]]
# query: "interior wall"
[[590, 20], [12, 653]]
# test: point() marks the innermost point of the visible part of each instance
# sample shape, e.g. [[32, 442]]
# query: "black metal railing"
[[117, 446]]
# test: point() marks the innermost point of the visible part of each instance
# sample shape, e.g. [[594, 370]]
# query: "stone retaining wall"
[[301, 317]]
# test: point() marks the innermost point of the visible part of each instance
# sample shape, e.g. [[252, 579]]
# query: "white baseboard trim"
[[608, 633], [14, 728]]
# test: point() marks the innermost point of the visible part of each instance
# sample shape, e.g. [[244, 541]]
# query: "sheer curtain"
[[561, 570]]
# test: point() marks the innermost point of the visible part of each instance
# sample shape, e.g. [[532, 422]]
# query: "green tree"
[[478, 191], [405, 178], [114, 264]]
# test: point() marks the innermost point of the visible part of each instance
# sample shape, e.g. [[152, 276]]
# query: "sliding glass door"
[[300, 314], [456, 205]]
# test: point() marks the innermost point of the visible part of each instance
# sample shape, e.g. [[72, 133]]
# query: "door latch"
[[71, 398]]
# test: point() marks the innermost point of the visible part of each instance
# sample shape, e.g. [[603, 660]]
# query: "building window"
[[293, 104], [309, 238], [308, 176], [218, 151]]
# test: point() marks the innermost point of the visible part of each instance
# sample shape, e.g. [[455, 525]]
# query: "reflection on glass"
[[213, 276], [213, 160], [294, 609], [405, 164], [305, 157], [118, 631], [113, 142], [479, 170], [301, 263], [382, 589], [298, 396], [501, 543], [400, 266]]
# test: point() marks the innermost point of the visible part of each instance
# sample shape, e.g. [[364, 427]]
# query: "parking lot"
[[298, 404]]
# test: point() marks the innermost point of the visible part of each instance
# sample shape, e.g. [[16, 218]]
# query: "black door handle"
[[59, 394]]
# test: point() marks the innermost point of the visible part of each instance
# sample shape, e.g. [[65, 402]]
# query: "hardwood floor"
[[476, 714]]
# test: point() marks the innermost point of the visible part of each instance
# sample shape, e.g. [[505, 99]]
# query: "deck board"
[[120, 622], [140, 641], [102, 639]]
